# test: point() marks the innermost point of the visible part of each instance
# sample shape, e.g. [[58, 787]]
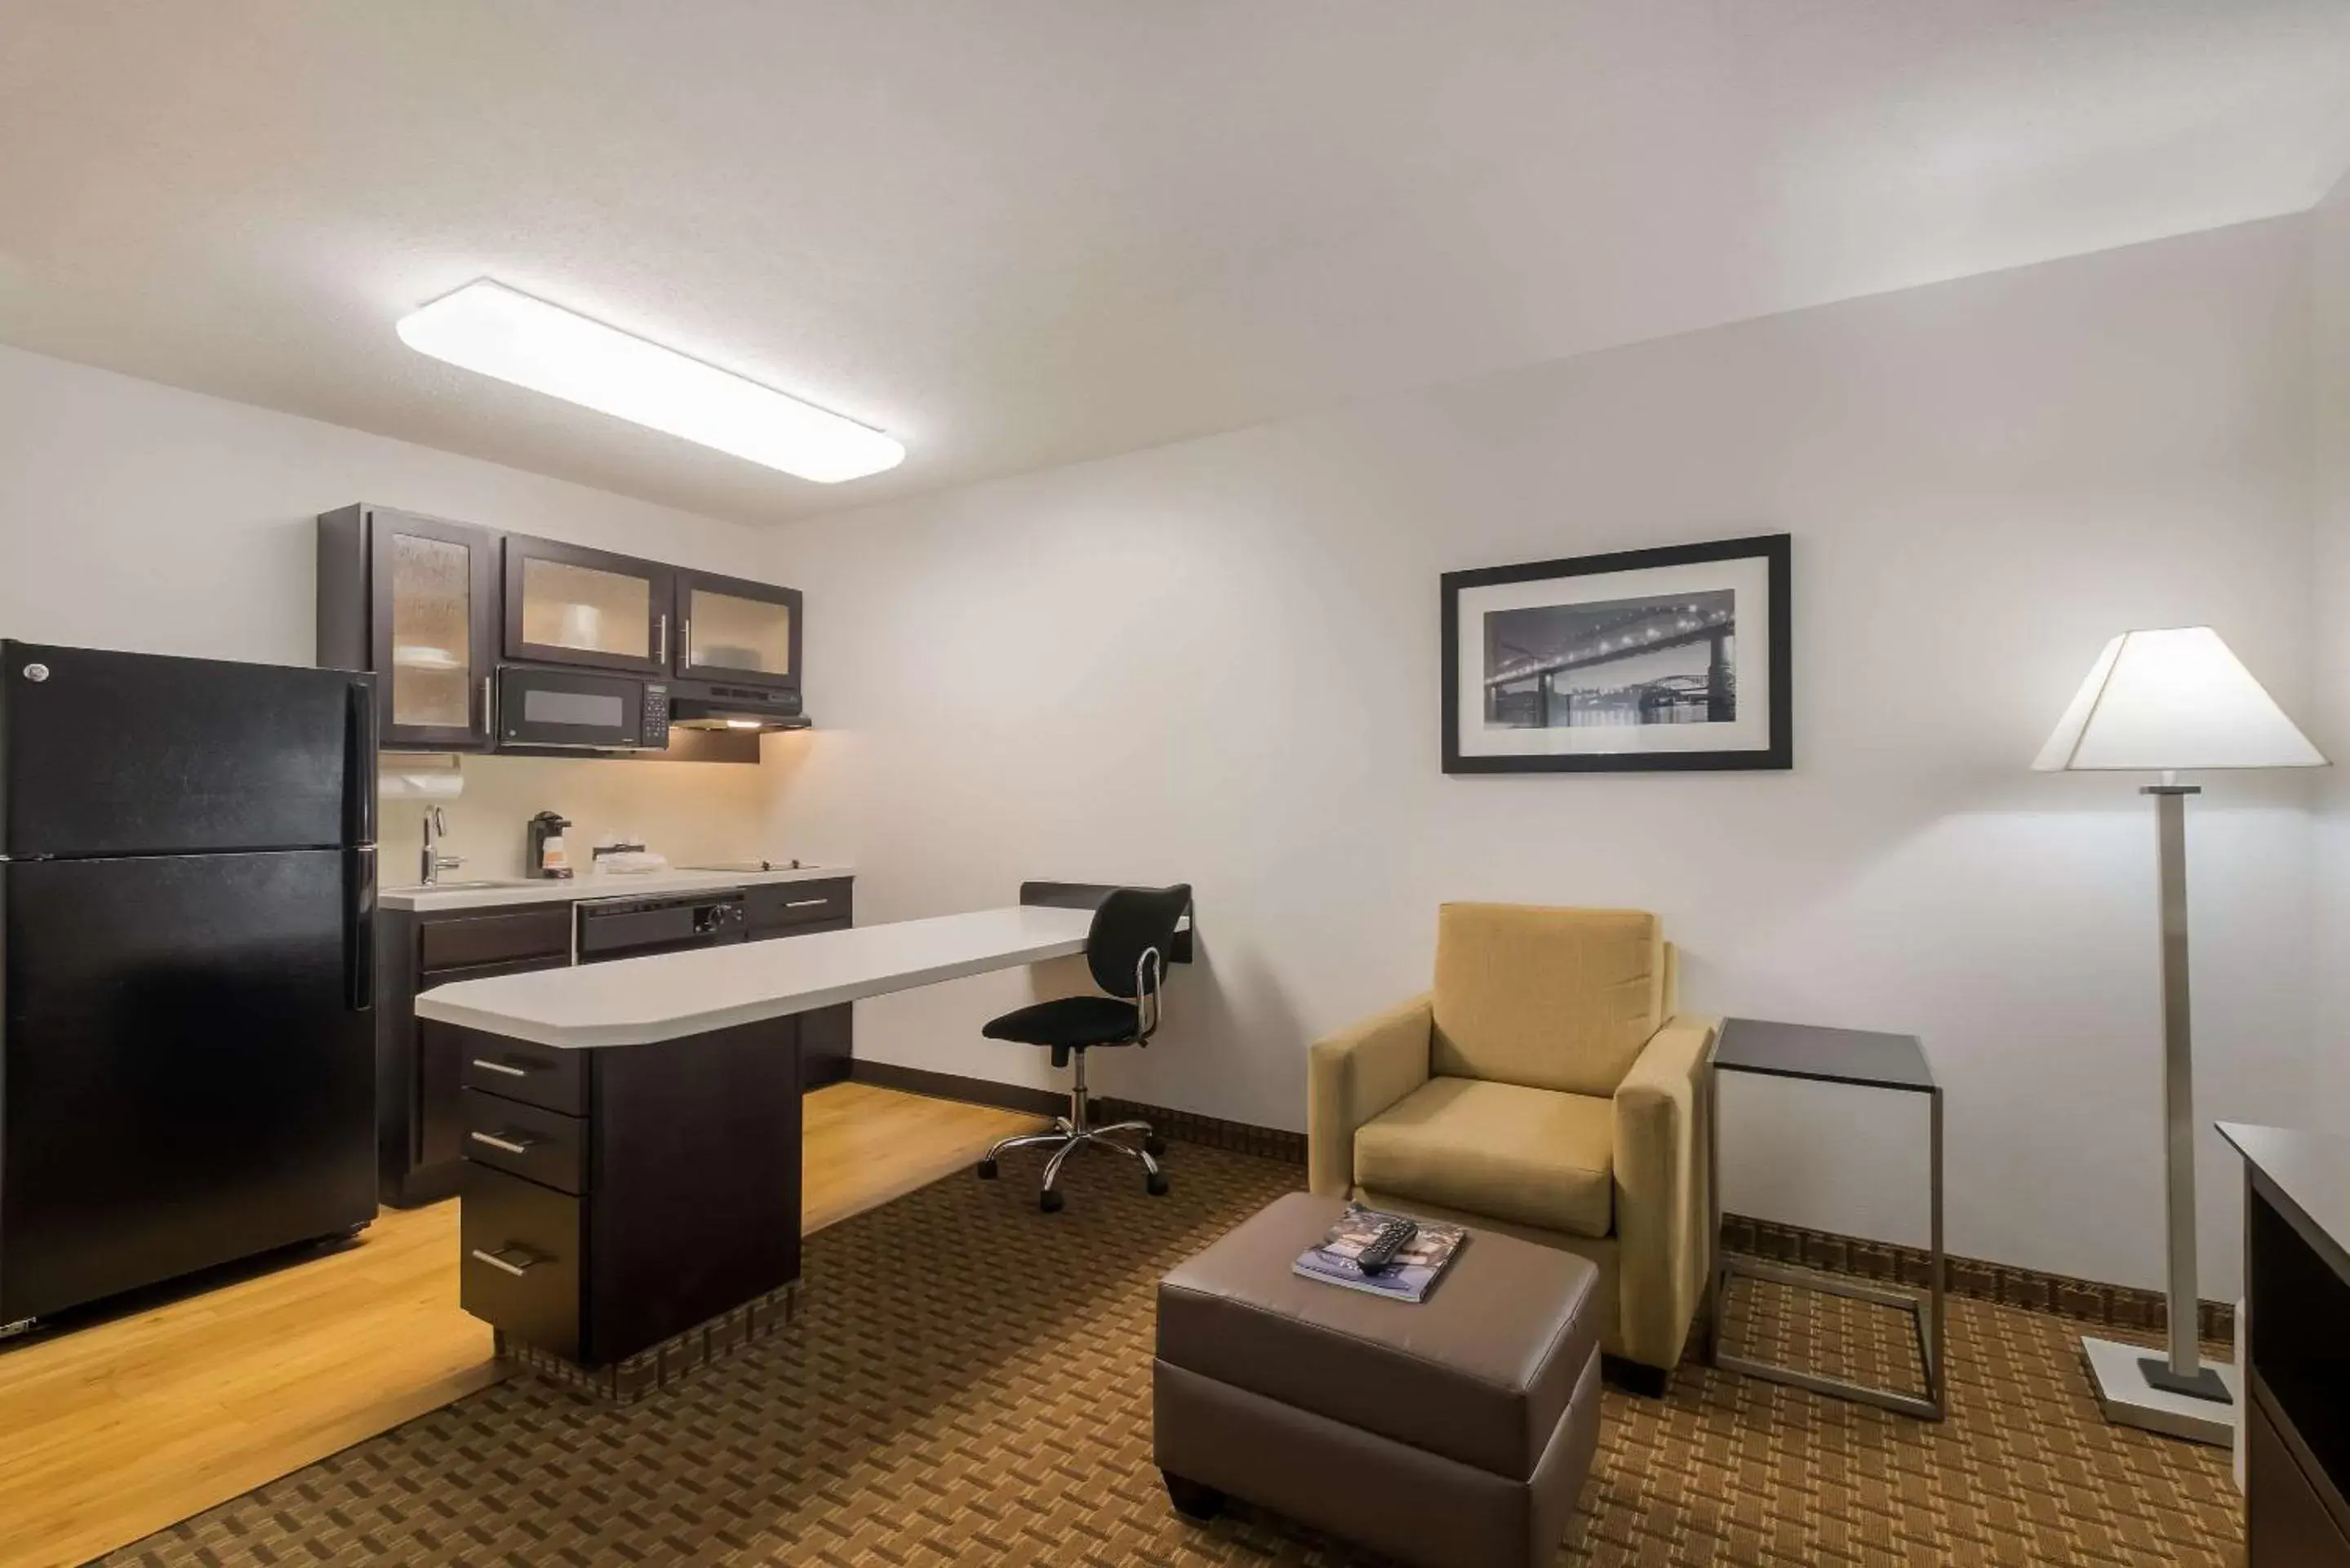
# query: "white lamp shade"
[[2173, 700]]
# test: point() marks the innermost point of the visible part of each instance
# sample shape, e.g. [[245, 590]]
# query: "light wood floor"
[[114, 1430]]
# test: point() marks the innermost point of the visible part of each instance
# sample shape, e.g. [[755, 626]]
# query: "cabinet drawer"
[[467, 941], [775, 905], [545, 1146], [535, 1074], [518, 1258]]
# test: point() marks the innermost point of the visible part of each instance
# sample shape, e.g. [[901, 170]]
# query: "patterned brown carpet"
[[969, 1383]]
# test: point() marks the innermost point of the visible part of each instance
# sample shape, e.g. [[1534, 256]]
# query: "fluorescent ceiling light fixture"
[[488, 327]]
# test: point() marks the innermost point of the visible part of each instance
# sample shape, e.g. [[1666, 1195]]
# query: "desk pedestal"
[[632, 1206]]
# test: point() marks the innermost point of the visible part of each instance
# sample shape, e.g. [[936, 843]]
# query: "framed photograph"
[[1671, 657]]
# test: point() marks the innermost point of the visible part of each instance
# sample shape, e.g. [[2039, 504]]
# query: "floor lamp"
[[2168, 701]]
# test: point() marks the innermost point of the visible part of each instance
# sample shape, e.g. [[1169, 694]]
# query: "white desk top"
[[667, 996]]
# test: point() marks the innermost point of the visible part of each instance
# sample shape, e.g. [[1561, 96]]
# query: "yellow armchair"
[[1544, 1087]]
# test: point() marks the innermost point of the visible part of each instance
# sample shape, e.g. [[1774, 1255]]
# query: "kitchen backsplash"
[[686, 811]]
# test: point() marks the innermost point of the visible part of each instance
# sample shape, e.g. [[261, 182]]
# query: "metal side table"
[[1865, 1060]]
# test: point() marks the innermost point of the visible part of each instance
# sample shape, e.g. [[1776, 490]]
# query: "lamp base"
[[2130, 1398]]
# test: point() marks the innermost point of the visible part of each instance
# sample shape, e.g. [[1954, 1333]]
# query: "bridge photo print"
[[1663, 659]]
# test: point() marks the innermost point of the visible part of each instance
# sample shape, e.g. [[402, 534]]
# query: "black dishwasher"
[[635, 926]]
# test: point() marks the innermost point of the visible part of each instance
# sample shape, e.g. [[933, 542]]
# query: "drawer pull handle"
[[512, 1072], [497, 1261], [806, 903], [512, 1146]]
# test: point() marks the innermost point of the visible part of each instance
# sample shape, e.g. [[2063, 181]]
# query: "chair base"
[[1077, 1130]]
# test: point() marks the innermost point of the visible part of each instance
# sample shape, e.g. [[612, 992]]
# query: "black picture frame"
[[1779, 752]]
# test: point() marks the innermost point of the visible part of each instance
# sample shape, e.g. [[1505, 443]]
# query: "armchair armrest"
[[1352, 1076], [1663, 1205]]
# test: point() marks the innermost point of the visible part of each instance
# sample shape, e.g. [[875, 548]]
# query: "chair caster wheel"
[[987, 1170], [1154, 1146], [1156, 1184], [1050, 1201]]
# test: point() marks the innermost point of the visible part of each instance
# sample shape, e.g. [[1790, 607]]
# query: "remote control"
[[1393, 1237]]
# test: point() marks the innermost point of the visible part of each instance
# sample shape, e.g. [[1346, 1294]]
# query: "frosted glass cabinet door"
[[732, 630], [431, 633], [565, 605], [430, 589]]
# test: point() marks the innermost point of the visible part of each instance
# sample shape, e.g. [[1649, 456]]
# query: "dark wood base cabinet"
[[2288, 1522], [617, 1197], [2297, 1374], [419, 1108], [420, 1120], [802, 909]]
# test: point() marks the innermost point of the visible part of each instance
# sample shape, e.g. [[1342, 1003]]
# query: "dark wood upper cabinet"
[[730, 629], [414, 600], [567, 605]]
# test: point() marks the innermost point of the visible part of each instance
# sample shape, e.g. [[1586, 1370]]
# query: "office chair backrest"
[[1130, 921]]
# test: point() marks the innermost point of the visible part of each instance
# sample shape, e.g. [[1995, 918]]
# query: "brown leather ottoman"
[[1455, 1432]]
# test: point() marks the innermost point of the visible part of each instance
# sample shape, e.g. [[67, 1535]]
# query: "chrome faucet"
[[436, 827]]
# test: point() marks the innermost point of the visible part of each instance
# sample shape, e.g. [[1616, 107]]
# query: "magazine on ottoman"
[[1410, 1278]]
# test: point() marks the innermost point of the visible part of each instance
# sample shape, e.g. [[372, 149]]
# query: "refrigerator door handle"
[[358, 764], [359, 928]]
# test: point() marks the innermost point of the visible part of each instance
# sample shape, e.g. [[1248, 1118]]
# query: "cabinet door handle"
[[806, 903], [510, 1144], [487, 1065], [489, 720], [685, 641], [661, 657], [506, 1264]]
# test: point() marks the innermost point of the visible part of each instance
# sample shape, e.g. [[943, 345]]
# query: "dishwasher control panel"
[[659, 923]]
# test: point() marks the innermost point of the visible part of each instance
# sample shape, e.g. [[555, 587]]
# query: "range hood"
[[714, 705]]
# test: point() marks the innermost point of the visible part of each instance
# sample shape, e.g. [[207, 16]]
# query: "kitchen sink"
[[461, 887]]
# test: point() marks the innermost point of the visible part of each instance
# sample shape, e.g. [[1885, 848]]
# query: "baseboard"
[[1185, 1127], [2086, 1301], [1209, 1132], [2034, 1290], [953, 1086]]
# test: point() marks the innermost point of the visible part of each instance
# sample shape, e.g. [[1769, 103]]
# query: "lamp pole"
[[2185, 1373]]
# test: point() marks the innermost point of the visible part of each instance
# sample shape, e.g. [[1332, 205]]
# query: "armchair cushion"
[[1533, 1156], [1551, 999]]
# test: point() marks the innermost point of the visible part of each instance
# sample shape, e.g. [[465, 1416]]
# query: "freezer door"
[[131, 753], [183, 1080]]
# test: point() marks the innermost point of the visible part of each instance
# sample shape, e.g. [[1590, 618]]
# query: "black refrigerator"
[[187, 910]]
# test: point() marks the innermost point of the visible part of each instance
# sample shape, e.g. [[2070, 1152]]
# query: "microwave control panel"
[[656, 736]]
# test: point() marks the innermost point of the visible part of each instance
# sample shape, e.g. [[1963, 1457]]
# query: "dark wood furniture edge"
[[2315, 1235], [2257, 1394]]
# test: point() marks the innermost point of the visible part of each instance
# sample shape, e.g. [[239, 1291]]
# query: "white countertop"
[[667, 996], [591, 886]]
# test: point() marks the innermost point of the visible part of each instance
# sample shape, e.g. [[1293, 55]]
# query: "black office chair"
[[1133, 931]]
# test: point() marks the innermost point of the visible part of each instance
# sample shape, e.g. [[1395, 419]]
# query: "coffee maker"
[[544, 854]]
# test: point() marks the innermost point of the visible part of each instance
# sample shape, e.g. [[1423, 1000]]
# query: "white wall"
[[2330, 294], [1217, 662], [139, 516]]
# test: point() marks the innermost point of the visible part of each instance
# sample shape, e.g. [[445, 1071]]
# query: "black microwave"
[[580, 710]]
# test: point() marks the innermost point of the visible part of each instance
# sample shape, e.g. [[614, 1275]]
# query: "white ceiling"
[[1026, 233]]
